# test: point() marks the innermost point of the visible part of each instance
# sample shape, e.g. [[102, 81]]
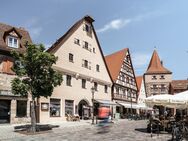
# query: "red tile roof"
[[114, 62], [139, 82], [179, 84], [155, 65]]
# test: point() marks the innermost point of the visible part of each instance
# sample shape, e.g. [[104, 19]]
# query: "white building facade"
[[81, 61]]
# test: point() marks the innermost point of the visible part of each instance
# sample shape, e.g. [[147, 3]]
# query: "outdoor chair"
[[76, 118], [72, 118]]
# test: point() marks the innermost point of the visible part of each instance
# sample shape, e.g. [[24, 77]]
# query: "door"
[[5, 111]]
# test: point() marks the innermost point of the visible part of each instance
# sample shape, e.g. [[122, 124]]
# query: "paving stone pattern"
[[122, 130]]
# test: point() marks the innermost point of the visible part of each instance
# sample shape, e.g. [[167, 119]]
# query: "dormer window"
[[12, 42]]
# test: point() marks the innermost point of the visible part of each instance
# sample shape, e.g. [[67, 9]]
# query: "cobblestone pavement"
[[122, 130]]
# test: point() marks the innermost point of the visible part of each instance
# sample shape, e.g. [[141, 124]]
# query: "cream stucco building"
[[81, 61]]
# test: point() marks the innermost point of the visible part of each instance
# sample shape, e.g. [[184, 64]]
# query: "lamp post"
[[93, 91], [131, 104]]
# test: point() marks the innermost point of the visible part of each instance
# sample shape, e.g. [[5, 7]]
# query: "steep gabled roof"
[[22, 34], [114, 62], [139, 82], [155, 65], [63, 38]]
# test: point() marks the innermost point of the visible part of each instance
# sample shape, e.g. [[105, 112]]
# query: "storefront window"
[[55, 107], [21, 109], [69, 107]]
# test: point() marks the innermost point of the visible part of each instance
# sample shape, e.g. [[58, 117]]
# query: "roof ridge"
[[13, 26], [118, 51]]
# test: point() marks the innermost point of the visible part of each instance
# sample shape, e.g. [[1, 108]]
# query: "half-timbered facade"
[[124, 89]]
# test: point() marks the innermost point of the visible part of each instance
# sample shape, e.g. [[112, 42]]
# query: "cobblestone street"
[[121, 130]]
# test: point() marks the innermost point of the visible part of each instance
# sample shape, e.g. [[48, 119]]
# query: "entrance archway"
[[84, 109]]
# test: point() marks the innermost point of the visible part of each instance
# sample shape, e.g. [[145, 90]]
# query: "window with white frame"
[[94, 50], [95, 86], [85, 63], [76, 41], [97, 68], [154, 77], [83, 83], [69, 107], [68, 82], [86, 45], [87, 28], [105, 88], [12, 42], [162, 77], [71, 57], [55, 107]]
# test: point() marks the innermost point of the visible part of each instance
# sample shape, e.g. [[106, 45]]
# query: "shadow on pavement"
[[144, 130]]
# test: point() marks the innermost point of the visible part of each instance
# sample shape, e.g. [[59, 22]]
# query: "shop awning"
[[105, 102], [128, 105], [134, 106]]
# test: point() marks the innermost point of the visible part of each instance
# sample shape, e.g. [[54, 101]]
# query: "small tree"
[[35, 75]]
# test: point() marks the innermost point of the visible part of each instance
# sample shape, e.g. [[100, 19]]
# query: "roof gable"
[[114, 62], [155, 65], [54, 48], [13, 32], [63, 38]]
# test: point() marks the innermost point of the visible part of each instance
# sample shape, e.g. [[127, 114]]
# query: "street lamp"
[[131, 104], [93, 91]]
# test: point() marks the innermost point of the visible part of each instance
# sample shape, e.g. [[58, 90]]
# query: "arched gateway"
[[84, 109]]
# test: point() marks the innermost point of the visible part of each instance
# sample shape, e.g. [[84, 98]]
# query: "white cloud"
[[140, 61], [115, 24], [47, 45], [35, 31], [32, 25], [120, 23]]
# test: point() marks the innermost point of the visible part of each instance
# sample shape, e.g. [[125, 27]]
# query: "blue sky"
[[139, 25]]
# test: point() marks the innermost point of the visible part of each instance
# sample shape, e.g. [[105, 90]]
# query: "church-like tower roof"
[[156, 66]]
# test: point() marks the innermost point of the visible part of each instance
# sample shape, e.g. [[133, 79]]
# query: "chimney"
[[161, 62]]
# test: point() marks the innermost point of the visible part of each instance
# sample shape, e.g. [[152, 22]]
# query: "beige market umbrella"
[[179, 101], [163, 100]]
